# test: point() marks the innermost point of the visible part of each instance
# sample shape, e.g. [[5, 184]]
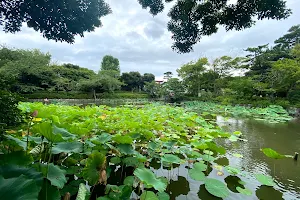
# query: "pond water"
[[284, 138]]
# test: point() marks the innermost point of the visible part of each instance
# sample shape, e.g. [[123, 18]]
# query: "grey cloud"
[[154, 30]]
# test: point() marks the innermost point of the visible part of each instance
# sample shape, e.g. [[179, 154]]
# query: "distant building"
[[159, 82]]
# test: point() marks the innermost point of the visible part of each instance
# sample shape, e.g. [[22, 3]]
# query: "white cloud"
[[142, 42]]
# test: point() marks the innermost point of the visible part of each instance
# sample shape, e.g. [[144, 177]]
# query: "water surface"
[[284, 138]]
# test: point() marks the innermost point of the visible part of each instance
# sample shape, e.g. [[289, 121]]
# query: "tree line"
[[31, 71], [267, 74]]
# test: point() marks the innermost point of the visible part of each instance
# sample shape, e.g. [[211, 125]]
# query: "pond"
[[284, 138]]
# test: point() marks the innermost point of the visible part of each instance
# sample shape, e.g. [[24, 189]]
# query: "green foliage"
[[92, 143], [132, 81], [149, 195], [83, 193], [170, 158], [274, 154], [265, 180], [48, 192], [148, 177], [290, 39], [163, 196], [94, 166], [10, 115], [18, 188], [58, 26], [193, 19], [153, 89], [196, 172], [216, 188], [67, 147], [109, 63], [56, 176], [272, 113], [244, 191], [191, 74], [174, 90]]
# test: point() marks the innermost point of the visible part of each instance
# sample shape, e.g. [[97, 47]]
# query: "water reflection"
[[284, 138], [179, 187], [265, 192], [233, 182], [204, 194]]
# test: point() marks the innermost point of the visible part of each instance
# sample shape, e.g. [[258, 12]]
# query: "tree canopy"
[[59, 20], [110, 63], [62, 20]]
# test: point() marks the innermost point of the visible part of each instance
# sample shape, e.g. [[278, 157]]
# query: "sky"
[[142, 42]]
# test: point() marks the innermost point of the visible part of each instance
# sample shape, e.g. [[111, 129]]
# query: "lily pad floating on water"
[[196, 174], [274, 154], [216, 188], [244, 191], [265, 180], [237, 155], [232, 170]]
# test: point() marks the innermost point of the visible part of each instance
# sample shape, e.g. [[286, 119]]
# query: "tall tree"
[[259, 64], [132, 81], [289, 40], [59, 20], [191, 73], [110, 63], [174, 90], [148, 77]]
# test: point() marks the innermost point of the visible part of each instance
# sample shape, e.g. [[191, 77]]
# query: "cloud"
[[142, 43]]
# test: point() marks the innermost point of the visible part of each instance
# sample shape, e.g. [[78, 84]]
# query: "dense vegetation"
[[31, 72], [63, 148], [267, 75]]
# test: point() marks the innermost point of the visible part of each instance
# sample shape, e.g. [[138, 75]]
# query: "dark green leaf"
[[125, 149], [67, 147], [18, 188], [49, 192], [16, 158], [93, 167], [56, 176], [17, 141]]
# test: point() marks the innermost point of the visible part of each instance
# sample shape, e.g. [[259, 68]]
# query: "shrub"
[[10, 115], [58, 95]]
